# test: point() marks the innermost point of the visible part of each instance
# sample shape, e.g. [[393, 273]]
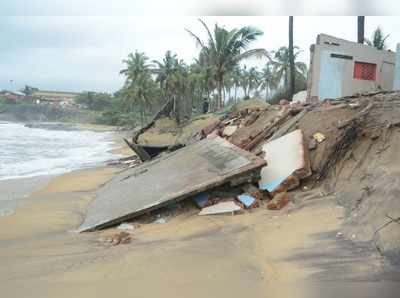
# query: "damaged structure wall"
[[396, 83], [341, 68]]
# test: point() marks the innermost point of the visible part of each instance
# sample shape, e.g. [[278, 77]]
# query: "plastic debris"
[[247, 200], [160, 221], [201, 199], [319, 137], [126, 227]]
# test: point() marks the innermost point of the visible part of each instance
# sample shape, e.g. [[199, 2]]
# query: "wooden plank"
[[143, 155], [193, 169]]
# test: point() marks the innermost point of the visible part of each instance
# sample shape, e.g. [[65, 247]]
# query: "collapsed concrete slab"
[[193, 169], [288, 162]]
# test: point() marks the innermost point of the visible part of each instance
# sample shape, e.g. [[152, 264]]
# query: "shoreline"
[[14, 190], [260, 253]]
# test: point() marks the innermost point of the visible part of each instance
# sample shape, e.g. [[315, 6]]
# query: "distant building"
[[12, 96], [55, 97], [340, 67]]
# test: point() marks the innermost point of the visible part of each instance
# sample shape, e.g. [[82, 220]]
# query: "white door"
[[330, 76]]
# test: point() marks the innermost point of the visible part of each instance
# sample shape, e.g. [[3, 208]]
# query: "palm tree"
[[268, 80], [166, 72], [281, 65], [136, 64], [378, 39], [138, 87], [291, 59], [236, 78], [253, 80], [139, 93], [224, 49], [172, 75], [250, 80]]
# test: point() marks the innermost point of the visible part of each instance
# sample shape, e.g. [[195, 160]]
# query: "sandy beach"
[[224, 256], [259, 253]]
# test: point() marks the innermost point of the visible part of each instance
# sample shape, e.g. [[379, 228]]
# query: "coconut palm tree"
[[172, 75], [378, 39], [253, 80], [166, 72], [250, 80], [281, 65], [136, 65], [268, 80], [139, 86], [237, 79], [224, 49]]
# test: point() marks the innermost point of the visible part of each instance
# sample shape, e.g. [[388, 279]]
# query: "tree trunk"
[[235, 94], [291, 59], [360, 29], [219, 104]]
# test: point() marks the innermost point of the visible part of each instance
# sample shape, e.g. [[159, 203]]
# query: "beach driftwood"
[[143, 155]]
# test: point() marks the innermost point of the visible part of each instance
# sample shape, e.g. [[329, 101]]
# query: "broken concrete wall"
[[193, 169], [333, 68], [396, 82], [287, 162]]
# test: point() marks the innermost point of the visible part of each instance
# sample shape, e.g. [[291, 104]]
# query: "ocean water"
[[30, 152]]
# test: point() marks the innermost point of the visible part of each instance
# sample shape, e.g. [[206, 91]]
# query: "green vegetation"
[[217, 74], [225, 49], [378, 39], [95, 101]]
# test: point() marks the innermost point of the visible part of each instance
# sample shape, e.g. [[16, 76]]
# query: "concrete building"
[[57, 97], [12, 96], [340, 67]]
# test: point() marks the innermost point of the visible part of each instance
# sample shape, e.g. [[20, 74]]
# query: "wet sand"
[[260, 253]]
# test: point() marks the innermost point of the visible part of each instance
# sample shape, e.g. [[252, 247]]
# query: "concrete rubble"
[[171, 178], [221, 208], [253, 156]]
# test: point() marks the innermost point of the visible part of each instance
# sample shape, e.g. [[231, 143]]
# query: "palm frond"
[[199, 42]]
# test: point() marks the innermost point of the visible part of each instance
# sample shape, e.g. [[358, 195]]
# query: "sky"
[[81, 53]]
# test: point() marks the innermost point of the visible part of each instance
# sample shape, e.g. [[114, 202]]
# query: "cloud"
[[195, 7], [86, 53]]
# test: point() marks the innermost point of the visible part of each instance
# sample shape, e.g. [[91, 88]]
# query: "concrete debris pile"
[[251, 157]]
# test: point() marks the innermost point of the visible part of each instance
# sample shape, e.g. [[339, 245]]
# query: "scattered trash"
[[120, 238], [201, 199], [247, 200], [221, 208], [126, 227], [160, 221], [319, 137]]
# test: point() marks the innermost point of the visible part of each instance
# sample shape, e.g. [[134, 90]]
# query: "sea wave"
[[30, 152]]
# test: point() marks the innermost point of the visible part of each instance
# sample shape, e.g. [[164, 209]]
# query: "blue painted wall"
[[396, 83], [330, 76]]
